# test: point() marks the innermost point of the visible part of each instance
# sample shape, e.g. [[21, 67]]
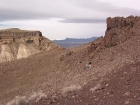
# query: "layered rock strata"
[[16, 43]]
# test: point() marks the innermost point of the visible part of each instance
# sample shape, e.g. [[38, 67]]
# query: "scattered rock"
[[126, 102], [127, 93], [97, 87]]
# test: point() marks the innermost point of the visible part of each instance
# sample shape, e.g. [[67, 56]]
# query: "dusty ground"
[[53, 71], [121, 87]]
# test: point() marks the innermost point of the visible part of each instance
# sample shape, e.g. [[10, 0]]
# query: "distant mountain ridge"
[[73, 42]]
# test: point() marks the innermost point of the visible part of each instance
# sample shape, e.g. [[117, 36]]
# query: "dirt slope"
[[120, 87], [60, 71], [51, 72]]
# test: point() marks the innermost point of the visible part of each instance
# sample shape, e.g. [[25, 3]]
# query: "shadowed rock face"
[[119, 30], [16, 43]]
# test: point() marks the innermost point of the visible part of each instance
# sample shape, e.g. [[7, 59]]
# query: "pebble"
[[127, 93], [126, 102]]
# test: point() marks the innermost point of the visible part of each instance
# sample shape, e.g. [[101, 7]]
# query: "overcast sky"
[[59, 19]]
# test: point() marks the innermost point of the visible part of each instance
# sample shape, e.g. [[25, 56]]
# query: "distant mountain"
[[75, 40], [72, 42]]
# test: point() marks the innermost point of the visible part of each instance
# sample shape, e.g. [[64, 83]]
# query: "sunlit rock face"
[[16, 44]]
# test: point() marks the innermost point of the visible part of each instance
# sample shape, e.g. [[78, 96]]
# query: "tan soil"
[[52, 71]]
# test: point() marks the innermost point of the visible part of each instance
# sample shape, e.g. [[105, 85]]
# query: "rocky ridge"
[[119, 30], [16, 44]]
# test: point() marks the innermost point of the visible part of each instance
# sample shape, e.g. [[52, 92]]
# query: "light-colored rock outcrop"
[[6, 53], [16, 44]]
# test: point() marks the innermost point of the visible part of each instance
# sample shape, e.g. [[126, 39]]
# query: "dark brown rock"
[[119, 30]]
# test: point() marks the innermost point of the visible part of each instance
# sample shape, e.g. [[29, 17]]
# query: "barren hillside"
[[60, 72], [16, 44], [120, 87]]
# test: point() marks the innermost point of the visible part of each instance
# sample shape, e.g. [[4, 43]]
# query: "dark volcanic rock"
[[119, 30]]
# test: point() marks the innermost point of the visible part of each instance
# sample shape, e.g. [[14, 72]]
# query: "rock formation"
[[119, 30], [16, 43]]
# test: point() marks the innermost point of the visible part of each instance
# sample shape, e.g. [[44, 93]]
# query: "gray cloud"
[[69, 11], [107, 7], [72, 11], [9, 15], [83, 21], [128, 11], [2, 25]]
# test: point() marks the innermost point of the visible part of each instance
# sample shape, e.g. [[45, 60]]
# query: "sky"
[[59, 19]]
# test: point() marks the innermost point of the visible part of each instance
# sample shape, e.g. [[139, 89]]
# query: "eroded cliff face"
[[119, 30], [16, 44]]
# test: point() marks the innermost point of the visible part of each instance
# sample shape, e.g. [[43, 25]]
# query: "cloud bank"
[[64, 13]]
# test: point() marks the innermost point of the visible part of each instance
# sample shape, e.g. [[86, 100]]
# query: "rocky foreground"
[[120, 87], [63, 77]]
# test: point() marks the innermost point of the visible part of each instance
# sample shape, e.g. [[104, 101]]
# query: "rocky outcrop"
[[119, 30], [16, 43]]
